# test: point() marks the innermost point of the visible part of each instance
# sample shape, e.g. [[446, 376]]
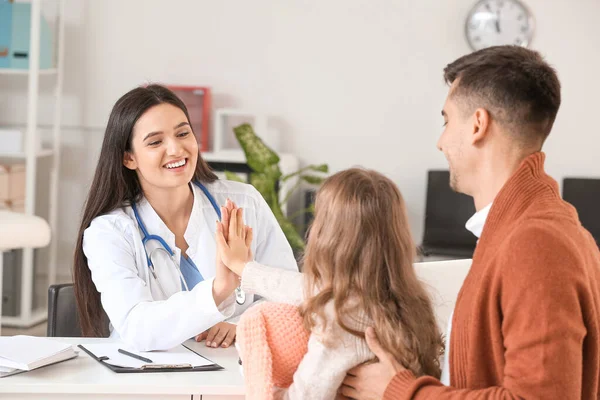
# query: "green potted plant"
[[267, 178]]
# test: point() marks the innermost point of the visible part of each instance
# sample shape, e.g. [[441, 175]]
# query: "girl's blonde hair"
[[360, 256]]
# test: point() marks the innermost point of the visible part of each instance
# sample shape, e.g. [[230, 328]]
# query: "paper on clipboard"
[[176, 355]]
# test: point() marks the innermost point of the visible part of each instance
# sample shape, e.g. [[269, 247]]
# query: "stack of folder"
[[25, 353]]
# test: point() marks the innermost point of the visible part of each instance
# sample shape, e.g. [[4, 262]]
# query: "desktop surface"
[[85, 376]]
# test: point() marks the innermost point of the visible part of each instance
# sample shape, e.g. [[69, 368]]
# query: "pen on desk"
[[135, 356]]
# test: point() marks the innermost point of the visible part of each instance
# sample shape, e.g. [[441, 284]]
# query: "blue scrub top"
[[190, 273]]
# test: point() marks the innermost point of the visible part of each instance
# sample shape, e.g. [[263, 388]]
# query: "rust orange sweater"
[[527, 320]]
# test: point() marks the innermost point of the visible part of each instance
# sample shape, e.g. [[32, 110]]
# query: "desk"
[[84, 377]]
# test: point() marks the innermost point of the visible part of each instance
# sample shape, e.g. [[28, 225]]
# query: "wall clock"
[[499, 22]]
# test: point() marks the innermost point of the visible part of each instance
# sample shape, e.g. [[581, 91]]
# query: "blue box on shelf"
[[16, 32], [5, 33]]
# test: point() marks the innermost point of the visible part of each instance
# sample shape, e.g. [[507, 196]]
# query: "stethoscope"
[[240, 296]]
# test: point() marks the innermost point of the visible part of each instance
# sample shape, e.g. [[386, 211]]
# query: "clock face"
[[499, 22]]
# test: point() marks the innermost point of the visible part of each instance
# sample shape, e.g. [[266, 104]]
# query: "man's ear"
[[481, 124], [129, 161]]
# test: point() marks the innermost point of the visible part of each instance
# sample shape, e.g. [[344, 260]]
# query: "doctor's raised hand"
[[222, 334], [234, 242], [144, 265]]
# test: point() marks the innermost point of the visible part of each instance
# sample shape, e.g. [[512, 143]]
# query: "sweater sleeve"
[[274, 284], [324, 367], [543, 327]]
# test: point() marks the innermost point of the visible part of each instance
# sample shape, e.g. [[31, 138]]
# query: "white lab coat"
[[139, 313]]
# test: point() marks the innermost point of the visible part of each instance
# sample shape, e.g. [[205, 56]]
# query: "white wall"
[[352, 82]]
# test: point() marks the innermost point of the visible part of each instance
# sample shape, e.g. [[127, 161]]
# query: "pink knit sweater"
[[272, 342], [281, 360]]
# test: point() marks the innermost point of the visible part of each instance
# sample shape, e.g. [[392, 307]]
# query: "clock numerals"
[[497, 22]]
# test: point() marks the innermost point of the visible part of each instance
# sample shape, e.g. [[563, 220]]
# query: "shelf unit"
[[23, 156], [47, 71], [28, 316]]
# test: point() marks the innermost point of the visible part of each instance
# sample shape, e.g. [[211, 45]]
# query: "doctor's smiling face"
[[164, 150]]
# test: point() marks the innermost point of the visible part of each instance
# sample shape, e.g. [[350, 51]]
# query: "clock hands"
[[498, 21]]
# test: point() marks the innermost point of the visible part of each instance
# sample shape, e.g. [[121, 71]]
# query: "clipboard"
[[155, 368]]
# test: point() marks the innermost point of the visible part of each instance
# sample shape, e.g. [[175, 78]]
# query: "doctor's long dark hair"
[[114, 186]]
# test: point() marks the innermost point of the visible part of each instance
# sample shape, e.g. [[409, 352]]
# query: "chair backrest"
[[446, 213], [62, 312], [443, 280], [584, 195]]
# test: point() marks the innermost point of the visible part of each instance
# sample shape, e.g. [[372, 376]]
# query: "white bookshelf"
[[23, 156], [47, 71], [27, 316]]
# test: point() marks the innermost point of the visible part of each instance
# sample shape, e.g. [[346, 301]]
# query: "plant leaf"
[[273, 172], [265, 164], [320, 168], [265, 186], [312, 179], [232, 176], [290, 232], [292, 235], [317, 168], [258, 155]]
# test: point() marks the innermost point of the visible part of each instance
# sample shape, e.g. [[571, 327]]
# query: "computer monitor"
[[446, 213], [584, 195]]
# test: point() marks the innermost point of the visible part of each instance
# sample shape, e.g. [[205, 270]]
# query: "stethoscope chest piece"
[[240, 296]]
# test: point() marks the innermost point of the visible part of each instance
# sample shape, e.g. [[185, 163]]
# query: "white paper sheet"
[[177, 355]]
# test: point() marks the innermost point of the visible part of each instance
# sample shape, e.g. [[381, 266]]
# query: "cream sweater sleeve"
[[323, 368], [274, 284]]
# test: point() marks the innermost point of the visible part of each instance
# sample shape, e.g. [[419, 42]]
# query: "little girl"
[[358, 272]]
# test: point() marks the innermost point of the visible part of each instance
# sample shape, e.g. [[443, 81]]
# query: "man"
[[526, 324]]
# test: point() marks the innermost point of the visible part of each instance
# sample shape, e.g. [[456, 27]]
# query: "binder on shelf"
[[197, 100], [5, 33], [20, 38]]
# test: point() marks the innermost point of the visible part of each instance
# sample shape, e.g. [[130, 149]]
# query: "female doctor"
[[146, 250]]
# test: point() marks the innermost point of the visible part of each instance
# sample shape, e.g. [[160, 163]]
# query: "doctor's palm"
[[227, 278], [235, 250]]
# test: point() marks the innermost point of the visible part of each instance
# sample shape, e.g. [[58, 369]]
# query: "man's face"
[[454, 142]]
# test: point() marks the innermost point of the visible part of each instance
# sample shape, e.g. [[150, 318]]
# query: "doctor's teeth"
[[176, 164]]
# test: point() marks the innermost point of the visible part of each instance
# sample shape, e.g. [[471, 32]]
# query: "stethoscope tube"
[[239, 293], [148, 237]]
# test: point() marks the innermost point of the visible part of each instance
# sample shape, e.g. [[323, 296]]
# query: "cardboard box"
[[12, 183], [17, 206]]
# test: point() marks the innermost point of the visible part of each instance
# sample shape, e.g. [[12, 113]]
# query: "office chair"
[[584, 195], [62, 312], [446, 213]]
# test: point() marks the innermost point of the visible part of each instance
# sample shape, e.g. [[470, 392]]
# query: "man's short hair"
[[515, 85]]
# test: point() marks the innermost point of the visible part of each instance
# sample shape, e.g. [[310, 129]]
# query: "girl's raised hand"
[[235, 251]]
